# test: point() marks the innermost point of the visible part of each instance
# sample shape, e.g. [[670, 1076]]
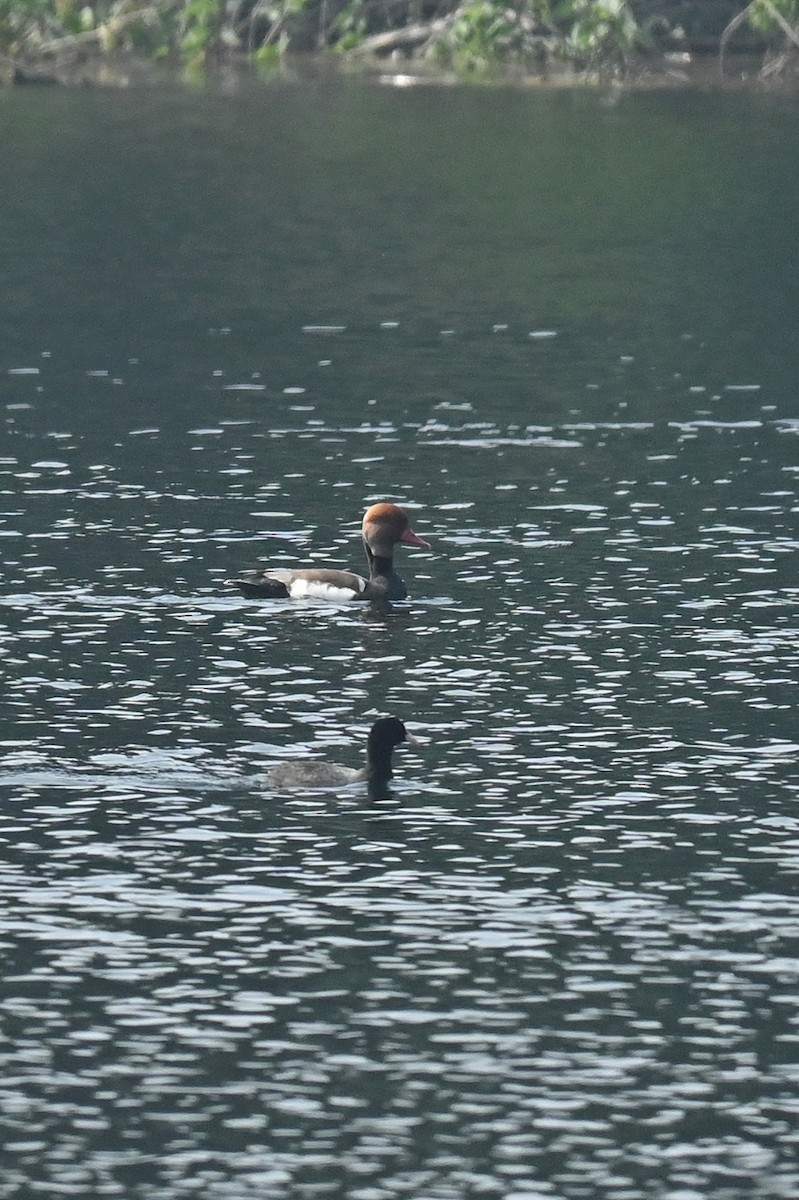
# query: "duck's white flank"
[[317, 590]]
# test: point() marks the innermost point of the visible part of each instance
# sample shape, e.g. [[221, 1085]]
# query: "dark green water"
[[559, 961]]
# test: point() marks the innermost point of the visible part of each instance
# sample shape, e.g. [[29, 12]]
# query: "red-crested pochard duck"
[[384, 736], [384, 525]]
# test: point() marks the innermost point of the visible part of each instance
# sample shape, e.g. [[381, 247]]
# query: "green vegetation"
[[474, 37]]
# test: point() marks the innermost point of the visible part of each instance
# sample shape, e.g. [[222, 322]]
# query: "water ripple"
[[559, 958]]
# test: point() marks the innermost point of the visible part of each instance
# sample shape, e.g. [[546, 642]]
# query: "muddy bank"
[[83, 63]]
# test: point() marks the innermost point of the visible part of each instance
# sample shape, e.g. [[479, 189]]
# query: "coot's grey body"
[[384, 736]]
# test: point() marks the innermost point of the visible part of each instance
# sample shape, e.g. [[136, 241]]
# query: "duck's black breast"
[[382, 588]]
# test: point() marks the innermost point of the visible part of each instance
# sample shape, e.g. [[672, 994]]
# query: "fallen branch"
[[406, 38], [105, 35]]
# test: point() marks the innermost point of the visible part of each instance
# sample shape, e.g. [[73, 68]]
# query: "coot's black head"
[[388, 732], [385, 734]]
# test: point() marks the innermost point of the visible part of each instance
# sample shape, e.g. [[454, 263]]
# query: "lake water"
[[560, 959]]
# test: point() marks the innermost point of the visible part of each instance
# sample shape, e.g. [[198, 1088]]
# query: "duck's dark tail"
[[260, 587]]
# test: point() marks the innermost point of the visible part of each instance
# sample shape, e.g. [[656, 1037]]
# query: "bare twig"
[[738, 20]]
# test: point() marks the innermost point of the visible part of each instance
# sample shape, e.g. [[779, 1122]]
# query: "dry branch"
[[104, 35], [402, 39]]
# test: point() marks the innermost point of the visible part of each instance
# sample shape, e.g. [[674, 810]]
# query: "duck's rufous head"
[[386, 524]]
